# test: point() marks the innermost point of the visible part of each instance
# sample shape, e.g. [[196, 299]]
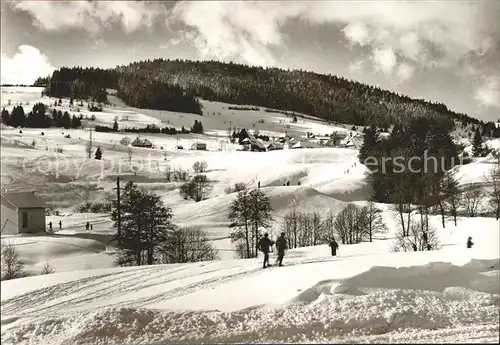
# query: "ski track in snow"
[[354, 311], [123, 283]]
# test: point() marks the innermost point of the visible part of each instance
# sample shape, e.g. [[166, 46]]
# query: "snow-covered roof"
[[141, 142], [305, 144], [24, 200]]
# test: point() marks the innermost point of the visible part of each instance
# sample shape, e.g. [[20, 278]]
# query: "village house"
[[304, 144], [274, 145], [142, 143], [253, 144], [22, 213], [323, 140], [199, 146]]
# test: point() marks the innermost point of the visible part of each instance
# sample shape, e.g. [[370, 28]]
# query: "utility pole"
[[90, 145], [118, 211]]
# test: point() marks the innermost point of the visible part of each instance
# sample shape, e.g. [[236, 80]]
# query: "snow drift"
[[382, 304]]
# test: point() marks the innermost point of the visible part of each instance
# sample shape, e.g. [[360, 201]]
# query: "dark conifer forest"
[[176, 85]]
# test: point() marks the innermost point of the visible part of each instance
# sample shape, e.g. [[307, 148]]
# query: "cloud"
[[384, 60], [405, 71], [25, 66], [237, 31], [400, 35], [488, 94], [91, 16]]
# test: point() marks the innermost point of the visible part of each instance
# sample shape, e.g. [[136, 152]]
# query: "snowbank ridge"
[[382, 304]]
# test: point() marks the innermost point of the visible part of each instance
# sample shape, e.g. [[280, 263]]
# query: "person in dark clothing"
[[288, 183], [50, 226], [264, 245], [414, 247], [469, 242], [60, 225], [258, 185], [281, 246], [334, 246], [91, 227], [87, 226]]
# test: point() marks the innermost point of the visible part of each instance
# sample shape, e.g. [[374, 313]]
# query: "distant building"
[[22, 213], [348, 144], [323, 140], [253, 144], [199, 146], [303, 144], [142, 143], [274, 145]]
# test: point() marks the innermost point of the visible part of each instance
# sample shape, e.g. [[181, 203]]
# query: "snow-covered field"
[[366, 294], [363, 295]]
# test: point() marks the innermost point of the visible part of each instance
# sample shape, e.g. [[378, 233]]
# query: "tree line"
[[37, 118], [412, 169], [176, 84], [151, 128]]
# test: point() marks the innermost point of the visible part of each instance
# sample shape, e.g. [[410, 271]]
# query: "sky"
[[443, 51]]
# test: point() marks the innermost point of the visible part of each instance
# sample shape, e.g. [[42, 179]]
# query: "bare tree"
[[305, 229], [421, 237], [201, 187], [125, 141], [328, 228], [250, 212], [290, 226], [47, 269], [471, 199], [189, 244], [373, 220], [12, 267], [200, 167], [350, 224], [402, 198], [130, 155], [316, 222], [168, 173], [494, 193], [88, 149], [238, 187], [453, 196]]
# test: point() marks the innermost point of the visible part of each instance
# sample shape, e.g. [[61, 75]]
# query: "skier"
[[87, 226], [91, 227], [334, 246], [258, 185], [281, 246], [469, 242], [264, 245], [50, 226], [60, 225]]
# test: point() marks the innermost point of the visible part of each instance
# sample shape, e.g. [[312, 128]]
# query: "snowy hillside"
[[365, 294]]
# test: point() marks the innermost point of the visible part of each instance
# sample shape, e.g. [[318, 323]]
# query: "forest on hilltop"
[[175, 85]]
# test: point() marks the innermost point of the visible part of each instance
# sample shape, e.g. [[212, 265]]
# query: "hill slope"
[[155, 84]]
